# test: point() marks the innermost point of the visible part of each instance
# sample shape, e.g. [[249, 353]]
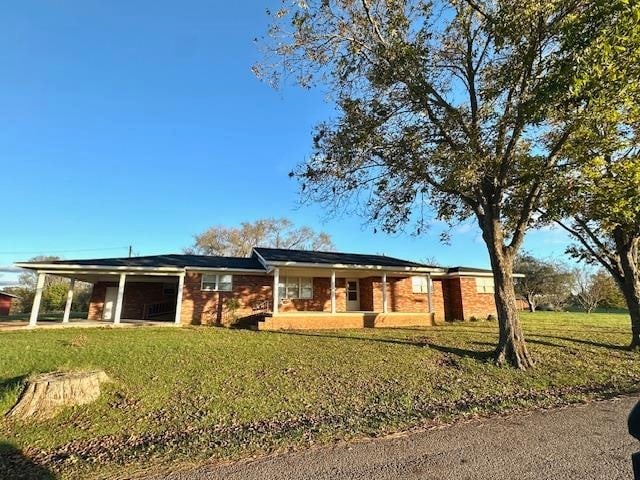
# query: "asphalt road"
[[579, 442]]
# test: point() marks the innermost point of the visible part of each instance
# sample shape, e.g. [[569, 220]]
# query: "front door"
[[110, 299], [353, 295]]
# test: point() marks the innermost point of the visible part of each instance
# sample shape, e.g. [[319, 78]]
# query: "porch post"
[[119, 299], [35, 309], [429, 294], [276, 290], [384, 292], [67, 307], [179, 299], [333, 291]]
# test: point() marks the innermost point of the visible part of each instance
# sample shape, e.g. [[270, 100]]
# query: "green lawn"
[[199, 394]]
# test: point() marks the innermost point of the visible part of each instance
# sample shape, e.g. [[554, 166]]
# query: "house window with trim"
[[296, 288], [484, 285], [214, 282], [419, 284]]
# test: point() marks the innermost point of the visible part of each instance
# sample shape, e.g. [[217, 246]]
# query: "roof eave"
[[342, 266]]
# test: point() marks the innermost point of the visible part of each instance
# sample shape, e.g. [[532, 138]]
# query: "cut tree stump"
[[44, 395]]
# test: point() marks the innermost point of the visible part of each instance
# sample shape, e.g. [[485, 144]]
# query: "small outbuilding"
[[5, 303]]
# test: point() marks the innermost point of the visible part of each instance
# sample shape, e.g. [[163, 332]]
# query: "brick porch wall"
[[136, 295]]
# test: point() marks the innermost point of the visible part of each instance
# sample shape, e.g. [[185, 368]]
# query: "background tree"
[[544, 280], [268, 232], [603, 210], [440, 103], [590, 291], [54, 294]]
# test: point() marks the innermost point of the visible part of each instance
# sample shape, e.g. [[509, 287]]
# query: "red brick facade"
[[463, 301], [5, 304], [136, 296], [452, 298]]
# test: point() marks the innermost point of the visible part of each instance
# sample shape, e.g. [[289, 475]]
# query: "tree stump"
[[44, 395]]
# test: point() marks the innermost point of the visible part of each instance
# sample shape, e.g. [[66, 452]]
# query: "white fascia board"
[[475, 274], [95, 268], [260, 259], [340, 266], [226, 269]]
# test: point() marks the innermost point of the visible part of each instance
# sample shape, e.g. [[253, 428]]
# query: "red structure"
[[5, 303]]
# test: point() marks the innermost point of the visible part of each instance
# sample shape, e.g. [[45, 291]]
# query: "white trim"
[[67, 307], [429, 293], [474, 274], [120, 299], [225, 269], [139, 273], [179, 299], [384, 292], [333, 291], [93, 268], [260, 258], [35, 309], [276, 291], [340, 266]]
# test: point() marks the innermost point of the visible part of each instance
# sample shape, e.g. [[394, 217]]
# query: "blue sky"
[[140, 123]]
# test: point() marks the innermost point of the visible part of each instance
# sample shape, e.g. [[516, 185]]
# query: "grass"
[[195, 395], [50, 316]]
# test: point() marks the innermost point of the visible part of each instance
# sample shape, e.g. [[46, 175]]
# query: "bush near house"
[[196, 394]]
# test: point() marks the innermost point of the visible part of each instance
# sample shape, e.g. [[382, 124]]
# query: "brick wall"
[[136, 296], [200, 307], [5, 305], [462, 300]]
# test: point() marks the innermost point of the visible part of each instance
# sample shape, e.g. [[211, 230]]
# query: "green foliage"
[[545, 281], [197, 395], [54, 297]]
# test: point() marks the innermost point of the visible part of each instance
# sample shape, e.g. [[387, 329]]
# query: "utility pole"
[[130, 250]]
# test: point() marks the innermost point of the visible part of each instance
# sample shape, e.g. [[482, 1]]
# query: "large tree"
[[544, 280], [603, 210], [267, 232], [444, 104]]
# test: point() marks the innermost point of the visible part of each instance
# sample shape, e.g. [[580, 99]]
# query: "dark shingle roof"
[[8, 294], [468, 270], [309, 256], [172, 260]]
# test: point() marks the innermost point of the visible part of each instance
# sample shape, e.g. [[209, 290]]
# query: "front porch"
[[331, 321]]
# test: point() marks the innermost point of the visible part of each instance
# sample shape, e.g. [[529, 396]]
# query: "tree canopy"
[[267, 232], [455, 107]]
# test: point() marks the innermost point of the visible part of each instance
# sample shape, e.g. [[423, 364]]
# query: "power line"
[[36, 252]]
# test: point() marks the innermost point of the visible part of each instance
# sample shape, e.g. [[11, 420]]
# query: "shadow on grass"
[[15, 465], [457, 351], [9, 385], [592, 343]]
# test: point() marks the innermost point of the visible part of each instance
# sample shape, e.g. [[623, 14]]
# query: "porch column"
[[333, 291], [276, 290], [384, 292], [119, 299], [429, 294], [179, 299], [67, 307], [35, 309]]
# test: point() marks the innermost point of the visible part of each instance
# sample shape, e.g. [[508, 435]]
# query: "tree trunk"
[[532, 303], [511, 348], [627, 250]]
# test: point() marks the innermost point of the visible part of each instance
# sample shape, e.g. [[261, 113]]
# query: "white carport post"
[[35, 309], [179, 298], [429, 294], [67, 307], [333, 291], [276, 290], [384, 292], [119, 299]]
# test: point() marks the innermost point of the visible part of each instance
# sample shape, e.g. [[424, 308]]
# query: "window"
[[484, 285], [419, 285], [296, 287], [217, 282]]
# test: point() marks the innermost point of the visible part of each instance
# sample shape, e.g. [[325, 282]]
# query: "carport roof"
[[162, 261]]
